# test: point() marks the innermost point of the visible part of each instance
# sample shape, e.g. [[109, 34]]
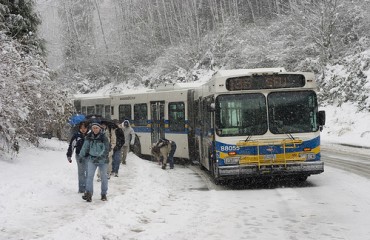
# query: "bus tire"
[[202, 167], [301, 178]]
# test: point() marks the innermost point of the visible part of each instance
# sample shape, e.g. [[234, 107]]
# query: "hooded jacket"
[[129, 133]]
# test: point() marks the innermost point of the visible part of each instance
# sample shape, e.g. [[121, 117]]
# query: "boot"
[[87, 197], [84, 197], [104, 197]]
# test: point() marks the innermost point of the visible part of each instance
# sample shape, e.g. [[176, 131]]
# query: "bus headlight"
[[232, 160], [308, 156]]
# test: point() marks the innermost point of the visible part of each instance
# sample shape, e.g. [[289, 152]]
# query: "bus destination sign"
[[265, 82]]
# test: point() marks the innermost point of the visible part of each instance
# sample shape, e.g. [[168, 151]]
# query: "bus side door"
[[157, 120]]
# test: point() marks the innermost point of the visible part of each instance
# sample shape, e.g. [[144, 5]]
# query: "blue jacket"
[[95, 148]]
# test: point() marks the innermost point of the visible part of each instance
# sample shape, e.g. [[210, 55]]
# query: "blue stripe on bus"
[[142, 129], [166, 121], [166, 130]]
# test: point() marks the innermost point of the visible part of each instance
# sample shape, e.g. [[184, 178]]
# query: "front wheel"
[[301, 178], [213, 168]]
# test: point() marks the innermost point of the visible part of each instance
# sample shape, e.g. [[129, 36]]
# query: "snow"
[[345, 125], [39, 199]]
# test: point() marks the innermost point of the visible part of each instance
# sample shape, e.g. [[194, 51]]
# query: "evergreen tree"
[[20, 22], [30, 100]]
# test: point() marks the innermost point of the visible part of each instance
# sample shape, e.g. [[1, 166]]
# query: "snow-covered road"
[[39, 200]]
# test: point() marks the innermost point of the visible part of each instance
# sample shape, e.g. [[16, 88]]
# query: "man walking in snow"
[[95, 149], [129, 139], [119, 143]]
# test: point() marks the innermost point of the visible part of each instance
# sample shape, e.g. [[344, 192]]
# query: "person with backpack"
[[76, 143], [120, 141], [95, 150], [109, 132]]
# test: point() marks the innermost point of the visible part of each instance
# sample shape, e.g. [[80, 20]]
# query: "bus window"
[[241, 114], [292, 112], [90, 110], [176, 116], [99, 109], [124, 112], [140, 114], [83, 110], [107, 111], [77, 104], [206, 116]]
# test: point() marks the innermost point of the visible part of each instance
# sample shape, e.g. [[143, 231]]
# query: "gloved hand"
[[69, 159]]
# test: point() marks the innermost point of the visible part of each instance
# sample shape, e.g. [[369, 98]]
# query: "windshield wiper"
[[290, 136], [280, 125], [248, 138]]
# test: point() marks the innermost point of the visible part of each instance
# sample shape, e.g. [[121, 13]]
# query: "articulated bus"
[[153, 114], [159, 113], [240, 123]]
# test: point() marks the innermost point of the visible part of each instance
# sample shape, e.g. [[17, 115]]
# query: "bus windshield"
[[241, 114], [246, 114], [292, 112]]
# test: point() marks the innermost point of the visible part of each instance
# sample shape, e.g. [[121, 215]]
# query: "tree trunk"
[[101, 26], [166, 20]]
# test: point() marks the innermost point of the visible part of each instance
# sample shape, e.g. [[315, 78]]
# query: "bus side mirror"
[[322, 118]]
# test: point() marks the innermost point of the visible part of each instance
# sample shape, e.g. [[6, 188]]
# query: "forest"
[[125, 44], [146, 42]]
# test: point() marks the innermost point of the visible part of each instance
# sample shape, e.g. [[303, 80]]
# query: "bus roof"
[[237, 72], [178, 86], [90, 95]]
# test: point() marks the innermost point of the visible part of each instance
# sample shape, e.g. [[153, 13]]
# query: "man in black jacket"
[[76, 143], [120, 141]]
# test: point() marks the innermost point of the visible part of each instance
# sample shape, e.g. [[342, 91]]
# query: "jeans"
[[81, 169], [116, 160], [172, 152], [91, 168]]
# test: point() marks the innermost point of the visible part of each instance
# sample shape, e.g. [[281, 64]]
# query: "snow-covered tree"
[[29, 99]]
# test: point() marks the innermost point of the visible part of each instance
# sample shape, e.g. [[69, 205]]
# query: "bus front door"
[[157, 119]]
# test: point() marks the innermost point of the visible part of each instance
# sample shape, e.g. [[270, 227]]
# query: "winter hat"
[[96, 124], [125, 123]]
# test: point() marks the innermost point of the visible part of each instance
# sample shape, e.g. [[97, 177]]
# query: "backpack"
[[162, 142], [120, 138]]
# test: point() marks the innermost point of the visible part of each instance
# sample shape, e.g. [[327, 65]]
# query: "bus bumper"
[[301, 168]]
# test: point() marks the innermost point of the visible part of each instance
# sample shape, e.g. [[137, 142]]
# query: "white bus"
[[93, 104], [240, 123], [157, 113], [259, 122]]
